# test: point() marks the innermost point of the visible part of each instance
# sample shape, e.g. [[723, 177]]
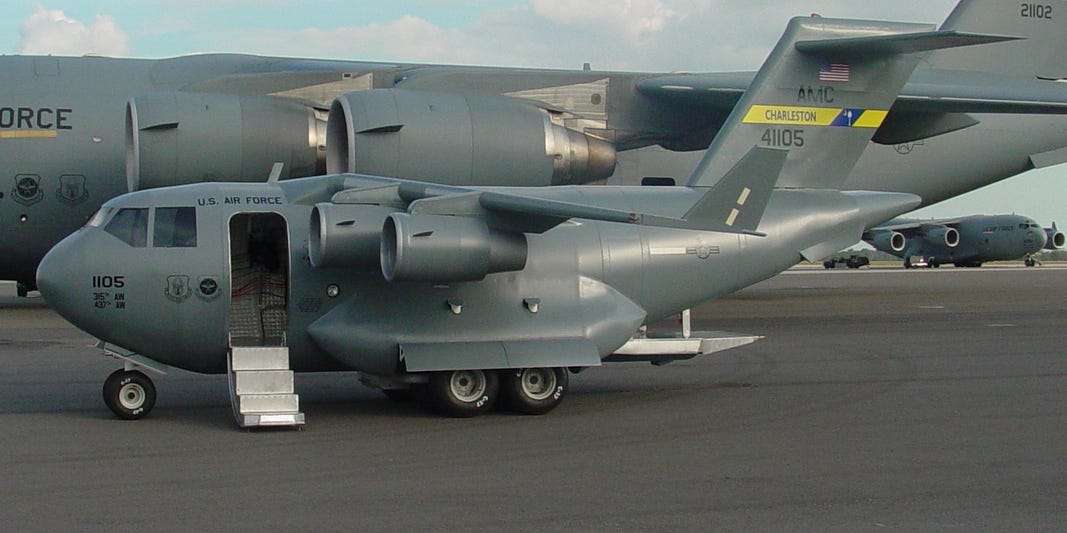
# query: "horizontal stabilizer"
[[904, 43]]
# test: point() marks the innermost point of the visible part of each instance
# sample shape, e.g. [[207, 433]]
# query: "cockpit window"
[[131, 226], [100, 216], [175, 227]]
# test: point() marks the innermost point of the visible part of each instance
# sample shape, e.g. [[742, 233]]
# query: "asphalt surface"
[[910, 400]]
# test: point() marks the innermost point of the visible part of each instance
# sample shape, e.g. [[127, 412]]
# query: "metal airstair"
[[261, 387]]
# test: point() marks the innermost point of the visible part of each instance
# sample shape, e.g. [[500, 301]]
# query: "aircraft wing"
[[734, 205], [912, 226], [928, 91]]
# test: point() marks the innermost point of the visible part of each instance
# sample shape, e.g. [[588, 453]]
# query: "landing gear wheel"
[[533, 391], [129, 394], [462, 393]]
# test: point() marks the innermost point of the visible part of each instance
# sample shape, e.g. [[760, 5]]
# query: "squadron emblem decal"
[[27, 189], [207, 288], [72, 189], [178, 288]]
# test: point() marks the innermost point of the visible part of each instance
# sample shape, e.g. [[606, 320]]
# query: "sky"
[[641, 35]]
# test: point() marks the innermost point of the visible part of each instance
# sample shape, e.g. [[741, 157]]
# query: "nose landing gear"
[[129, 394]]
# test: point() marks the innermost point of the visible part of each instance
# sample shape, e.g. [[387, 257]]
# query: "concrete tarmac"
[[911, 400]]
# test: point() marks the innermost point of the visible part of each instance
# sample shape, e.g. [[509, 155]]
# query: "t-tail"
[[1042, 51], [822, 93]]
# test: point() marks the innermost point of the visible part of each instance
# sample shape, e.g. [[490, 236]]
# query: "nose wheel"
[[129, 394]]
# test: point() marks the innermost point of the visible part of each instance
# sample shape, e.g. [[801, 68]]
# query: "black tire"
[[533, 391], [129, 394], [462, 393]]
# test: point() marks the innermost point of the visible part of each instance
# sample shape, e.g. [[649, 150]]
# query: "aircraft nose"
[[1038, 242], [57, 275], [48, 274]]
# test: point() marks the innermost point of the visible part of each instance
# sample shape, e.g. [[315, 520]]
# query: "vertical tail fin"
[[821, 94], [1042, 52]]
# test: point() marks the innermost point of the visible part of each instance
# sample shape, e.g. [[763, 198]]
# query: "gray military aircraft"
[[965, 241], [470, 293], [75, 132]]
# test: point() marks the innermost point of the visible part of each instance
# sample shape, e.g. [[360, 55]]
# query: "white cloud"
[[634, 18], [50, 31], [643, 35]]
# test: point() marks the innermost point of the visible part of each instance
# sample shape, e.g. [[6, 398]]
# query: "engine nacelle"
[[176, 138], [453, 138], [348, 236], [943, 234], [1054, 239], [889, 240], [447, 248]]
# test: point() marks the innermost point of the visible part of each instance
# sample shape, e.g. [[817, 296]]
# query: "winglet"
[[736, 204]]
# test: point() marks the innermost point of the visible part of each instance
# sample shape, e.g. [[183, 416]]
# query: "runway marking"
[[1000, 325], [931, 307]]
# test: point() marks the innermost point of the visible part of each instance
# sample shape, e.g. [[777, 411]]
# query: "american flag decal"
[[834, 72]]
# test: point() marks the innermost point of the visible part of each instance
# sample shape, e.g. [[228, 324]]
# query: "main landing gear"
[[469, 393], [129, 394]]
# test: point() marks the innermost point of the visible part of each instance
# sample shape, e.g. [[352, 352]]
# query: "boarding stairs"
[[261, 387]]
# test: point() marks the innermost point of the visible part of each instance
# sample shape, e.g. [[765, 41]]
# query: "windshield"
[[130, 226]]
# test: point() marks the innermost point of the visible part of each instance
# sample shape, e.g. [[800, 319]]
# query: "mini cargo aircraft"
[[965, 241], [77, 131], [473, 294]]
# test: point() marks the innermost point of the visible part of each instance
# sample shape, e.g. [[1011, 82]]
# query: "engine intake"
[[1054, 240], [447, 248], [177, 138], [945, 234], [889, 240], [453, 138], [347, 236]]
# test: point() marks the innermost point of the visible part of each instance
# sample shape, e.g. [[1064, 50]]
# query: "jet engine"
[[177, 138], [1055, 239], [447, 248], [889, 240], [347, 236], [453, 138], [942, 234]]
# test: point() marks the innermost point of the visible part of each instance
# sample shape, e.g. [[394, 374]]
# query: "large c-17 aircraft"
[[965, 241], [75, 132], [467, 294]]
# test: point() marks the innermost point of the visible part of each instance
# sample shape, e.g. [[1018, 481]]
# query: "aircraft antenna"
[[275, 173]]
